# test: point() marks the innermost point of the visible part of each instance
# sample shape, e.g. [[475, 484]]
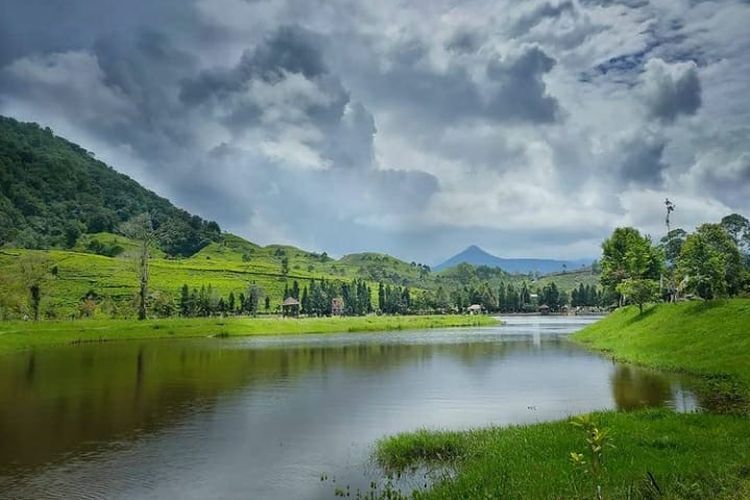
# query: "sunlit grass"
[[687, 456], [20, 335]]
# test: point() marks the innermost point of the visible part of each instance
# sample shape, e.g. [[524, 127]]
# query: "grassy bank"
[[657, 454], [688, 456], [17, 335], [709, 339]]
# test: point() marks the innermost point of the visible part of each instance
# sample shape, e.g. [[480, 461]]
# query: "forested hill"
[[52, 191]]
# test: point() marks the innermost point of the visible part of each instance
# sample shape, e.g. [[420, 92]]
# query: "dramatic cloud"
[[416, 128], [671, 90]]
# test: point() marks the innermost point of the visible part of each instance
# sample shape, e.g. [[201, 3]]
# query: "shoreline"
[[707, 339], [18, 336]]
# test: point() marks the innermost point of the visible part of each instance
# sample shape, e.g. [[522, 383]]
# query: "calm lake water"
[[266, 417]]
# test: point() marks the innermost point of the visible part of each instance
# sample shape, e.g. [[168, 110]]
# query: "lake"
[[268, 417]]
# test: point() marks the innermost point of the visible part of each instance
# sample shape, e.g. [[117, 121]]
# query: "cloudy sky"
[[412, 127]]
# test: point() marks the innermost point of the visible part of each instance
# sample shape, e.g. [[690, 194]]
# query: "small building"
[[337, 306], [544, 309], [474, 309], [290, 307]]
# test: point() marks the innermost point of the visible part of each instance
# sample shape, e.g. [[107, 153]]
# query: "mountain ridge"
[[476, 256]]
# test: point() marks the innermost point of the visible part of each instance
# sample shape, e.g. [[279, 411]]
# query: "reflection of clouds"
[[265, 416]]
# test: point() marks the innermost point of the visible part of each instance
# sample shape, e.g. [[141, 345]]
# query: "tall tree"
[[141, 228], [639, 291], [738, 228], [34, 270], [629, 255], [710, 264], [255, 294]]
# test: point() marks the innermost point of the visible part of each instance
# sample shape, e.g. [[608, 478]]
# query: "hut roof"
[[290, 301]]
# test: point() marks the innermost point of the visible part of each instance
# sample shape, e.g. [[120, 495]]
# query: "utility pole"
[[672, 286], [670, 208]]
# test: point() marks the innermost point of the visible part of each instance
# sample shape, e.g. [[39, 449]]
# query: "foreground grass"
[[658, 453], [687, 456], [18, 336], [709, 339]]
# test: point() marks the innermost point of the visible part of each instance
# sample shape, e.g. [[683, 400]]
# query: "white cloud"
[[530, 128]]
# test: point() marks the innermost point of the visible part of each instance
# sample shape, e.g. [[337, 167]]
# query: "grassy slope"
[[691, 456], [570, 279], [228, 266], [704, 338], [19, 335], [221, 266]]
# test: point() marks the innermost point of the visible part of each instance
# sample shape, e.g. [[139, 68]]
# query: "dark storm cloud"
[[40, 26], [633, 4], [512, 89], [672, 90], [642, 161], [522, 92], [290, 49], [463, 41]]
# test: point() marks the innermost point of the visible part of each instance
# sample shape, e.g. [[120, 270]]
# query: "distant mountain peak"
[[476, 256]]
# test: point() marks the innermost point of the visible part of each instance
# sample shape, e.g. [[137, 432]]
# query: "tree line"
[[711, 262]]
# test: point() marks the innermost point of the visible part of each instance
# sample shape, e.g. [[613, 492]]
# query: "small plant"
[[592, 460]]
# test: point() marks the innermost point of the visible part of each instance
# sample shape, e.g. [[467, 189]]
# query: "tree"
[[185, 303], [141, 228], [710, 263], [639, 291], [255, 294], [34, 270], [738, 228], [285, 265], [629, 255]]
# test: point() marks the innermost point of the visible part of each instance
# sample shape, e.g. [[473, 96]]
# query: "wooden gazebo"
[[290, 307]]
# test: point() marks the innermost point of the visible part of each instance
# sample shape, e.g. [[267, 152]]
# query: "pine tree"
[[185, 301]]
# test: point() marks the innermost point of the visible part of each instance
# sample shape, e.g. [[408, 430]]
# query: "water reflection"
[[264, 417]]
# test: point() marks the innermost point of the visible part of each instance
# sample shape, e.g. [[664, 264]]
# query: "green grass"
[[696, 456], [19, 335], [699, 456], [709, 339]]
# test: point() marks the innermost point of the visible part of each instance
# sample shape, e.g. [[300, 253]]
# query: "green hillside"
[[52, 191], [705, 338], [59, 203]]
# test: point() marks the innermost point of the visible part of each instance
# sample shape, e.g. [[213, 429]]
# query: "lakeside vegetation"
[[703, 338], [23, 335], [656, 454]]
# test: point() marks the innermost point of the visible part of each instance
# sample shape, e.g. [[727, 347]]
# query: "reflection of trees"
[[634, 388], [53, 401]]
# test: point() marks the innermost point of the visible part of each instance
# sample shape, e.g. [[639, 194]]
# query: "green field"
[[656, 453], [229, 266], [24, 335]]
